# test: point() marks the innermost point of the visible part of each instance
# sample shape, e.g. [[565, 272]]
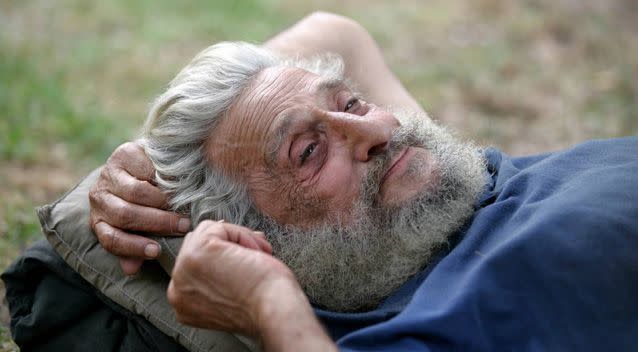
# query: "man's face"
[[303, 144], [354, 201]]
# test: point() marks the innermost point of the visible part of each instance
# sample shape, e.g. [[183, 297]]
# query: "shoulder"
[[581, 200], [548, 260]]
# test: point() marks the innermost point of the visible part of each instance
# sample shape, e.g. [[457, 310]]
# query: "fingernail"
[[222, 220], [151, 250], [259, 233], [183, 225]]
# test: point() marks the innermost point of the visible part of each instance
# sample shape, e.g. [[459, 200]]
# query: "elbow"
[[339, 34], [333, 24]]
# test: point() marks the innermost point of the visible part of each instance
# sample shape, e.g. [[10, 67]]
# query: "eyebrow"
[[329, 84], [285, 120], [280, 136]]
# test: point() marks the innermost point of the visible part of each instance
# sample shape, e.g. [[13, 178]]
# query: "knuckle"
[[124, 148], [172, 294], [95, 196], [122, 152], [137, 189], [214, 244], [125, 215], [94, 219], [104, 174], [109, 240], [131, 149], [128, 186], [116, 155]]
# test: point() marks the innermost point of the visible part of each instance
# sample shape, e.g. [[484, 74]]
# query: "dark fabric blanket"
[[54, 309]]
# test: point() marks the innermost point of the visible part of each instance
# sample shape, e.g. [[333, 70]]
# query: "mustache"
[[404, 136]]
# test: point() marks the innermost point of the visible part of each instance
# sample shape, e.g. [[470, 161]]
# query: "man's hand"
[[125, 200], [225, 279], [218, 275]]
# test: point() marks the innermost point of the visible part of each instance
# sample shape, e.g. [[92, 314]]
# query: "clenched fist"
[[226, 279], [219, 275]]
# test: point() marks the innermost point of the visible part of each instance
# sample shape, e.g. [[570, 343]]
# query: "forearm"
[[286, 321], [320, 33]]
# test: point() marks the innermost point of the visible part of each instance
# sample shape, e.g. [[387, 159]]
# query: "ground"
[[76, 77]]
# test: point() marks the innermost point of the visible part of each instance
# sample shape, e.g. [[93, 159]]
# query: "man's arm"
[[323, 32], [287, 322]]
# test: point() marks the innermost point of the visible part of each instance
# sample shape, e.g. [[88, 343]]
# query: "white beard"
[[354, 267]]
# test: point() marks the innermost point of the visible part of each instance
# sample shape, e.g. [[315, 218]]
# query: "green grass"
[[39, 114], [39, 120], [76, 77]]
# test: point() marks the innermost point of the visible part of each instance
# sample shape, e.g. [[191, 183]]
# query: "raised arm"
[[323, 32]]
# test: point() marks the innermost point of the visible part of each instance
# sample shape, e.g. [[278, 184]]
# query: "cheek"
[[338, 185], [275, 196], [279, 196]]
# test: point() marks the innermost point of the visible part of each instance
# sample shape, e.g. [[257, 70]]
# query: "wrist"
[[285, 320], [276, 297]]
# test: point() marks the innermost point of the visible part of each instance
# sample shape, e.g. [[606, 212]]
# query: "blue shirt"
[[549, 262]]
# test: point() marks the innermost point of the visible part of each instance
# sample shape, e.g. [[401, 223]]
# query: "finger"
[[131, 157], [259, 234], [243, 236], [130, 266], [248, 241], [124, 244], [133, 217], [260, 238], [136, 191]]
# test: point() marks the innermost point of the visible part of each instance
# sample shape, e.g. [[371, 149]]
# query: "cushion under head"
[[66, 226]]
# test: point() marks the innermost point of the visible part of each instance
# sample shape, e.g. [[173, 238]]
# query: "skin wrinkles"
[[246, 121], [242, 127], [301, 201], [288, 109], [304, 198], [286, 117]]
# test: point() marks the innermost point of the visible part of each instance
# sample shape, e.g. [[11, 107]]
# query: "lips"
[[394, 163]]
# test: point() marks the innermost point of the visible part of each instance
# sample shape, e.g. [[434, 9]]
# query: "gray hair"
[[182, 119]]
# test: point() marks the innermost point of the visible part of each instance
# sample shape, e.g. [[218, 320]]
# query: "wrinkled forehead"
[[270, 91], [239, 142]]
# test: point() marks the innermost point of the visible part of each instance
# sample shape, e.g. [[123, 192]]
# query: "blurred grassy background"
[[76, 76]]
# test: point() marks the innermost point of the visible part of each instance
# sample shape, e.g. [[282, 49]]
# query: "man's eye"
[[307, 152], [352, 102]]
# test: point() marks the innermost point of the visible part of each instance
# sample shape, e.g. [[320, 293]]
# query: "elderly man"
[[401, 236], [313, 202]]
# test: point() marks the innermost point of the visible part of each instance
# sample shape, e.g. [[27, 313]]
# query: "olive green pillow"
[[66, 226]]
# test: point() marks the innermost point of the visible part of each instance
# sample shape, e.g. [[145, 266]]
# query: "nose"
[[366, 135]]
